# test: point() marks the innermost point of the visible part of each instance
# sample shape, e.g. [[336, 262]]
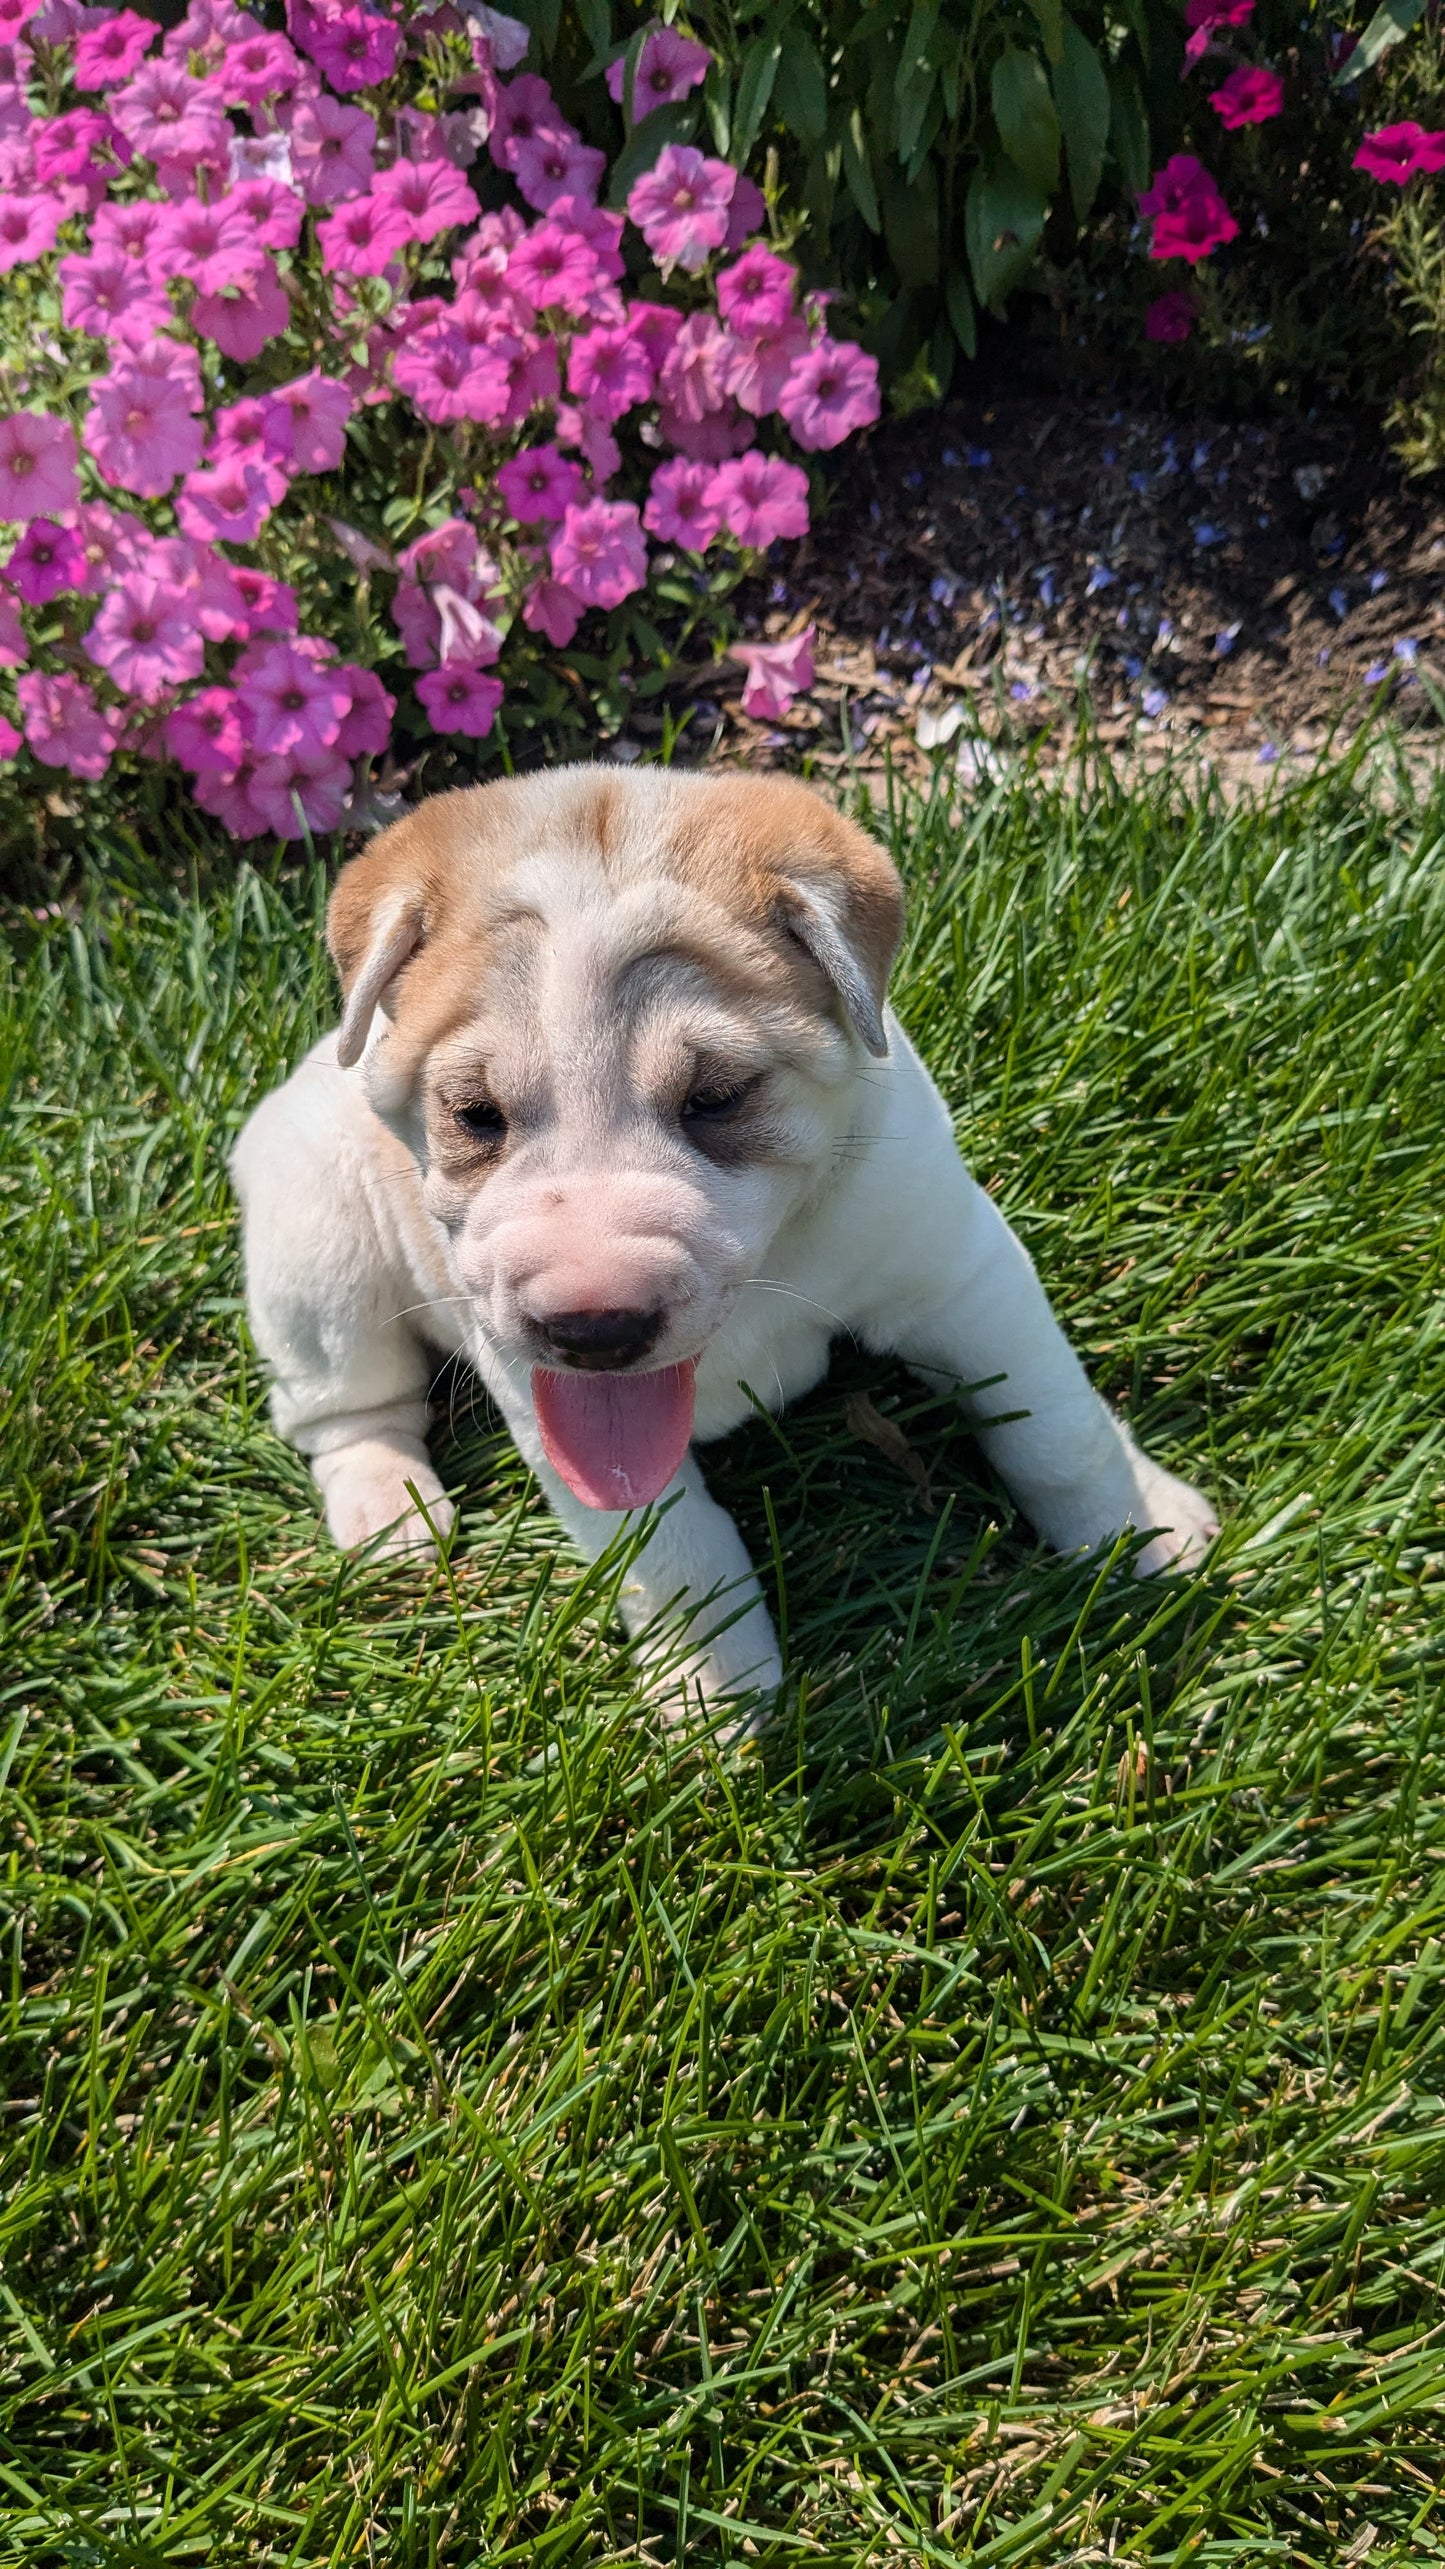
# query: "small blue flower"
[[1225, 640], [1133, 668], [1268, 755], [1154, 701], [980, 457], [1407, 649], [1339, 600], [1378, 581], [1047, 592], [1021, 691], [950, 456], [1206, 534], [1101, 577], [1138, 481], [1378, 669]]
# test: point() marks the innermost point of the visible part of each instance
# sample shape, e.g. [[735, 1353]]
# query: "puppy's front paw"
[[737, 1672], [366, 1494], [1187, 1522]]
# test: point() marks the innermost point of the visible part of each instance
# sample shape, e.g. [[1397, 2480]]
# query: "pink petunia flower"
[[268, 606], [691, 381], [1170, 318], [47, 560], [261, 66], [668, 67], [447, 378], [681, 207], [427, 197], [681, 508], [11, 740], [312, 412], [592, 438], [14, 649], [601, 552], [127, 231], [548, 166], [1172, 187], [84, 149], [65, 726], [331, 150], [228, 799], [777, 672], [522, 108], [830, 393], [203, 34], [761, 497], [449, 554], [1203, 224], [157, 103], [1205, 18], [37, 468], [114, 541], [756, 293], [290, 701], [205, 734], [756, 370], [1398, 153], [29, 226], [362, 237], [710, 440], [653, 327], [608, 371], [215, 246], [111, 297], [1250, 96], [351, 48], [305, 791], [275, 211], [366, 727], [745, 213], [111, 51], [243, 320], [460, 699], [146, 638], [539, 485], [226, 503], [551, 609], [140, 429]]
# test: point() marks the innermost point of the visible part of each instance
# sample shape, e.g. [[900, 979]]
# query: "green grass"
[[449, 2120]]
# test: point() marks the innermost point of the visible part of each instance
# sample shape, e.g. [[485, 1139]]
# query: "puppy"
[[617, 1111]]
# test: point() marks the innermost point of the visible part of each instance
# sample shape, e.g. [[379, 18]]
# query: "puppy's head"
[[620, 1017]]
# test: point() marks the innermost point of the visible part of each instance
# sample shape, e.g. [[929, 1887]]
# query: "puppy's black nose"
[[600, 1341]]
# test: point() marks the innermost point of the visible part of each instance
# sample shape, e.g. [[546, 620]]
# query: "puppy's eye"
[[715, 1103], [484, 1121]]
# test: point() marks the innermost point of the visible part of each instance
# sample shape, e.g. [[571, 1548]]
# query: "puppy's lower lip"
[[616, 1439]]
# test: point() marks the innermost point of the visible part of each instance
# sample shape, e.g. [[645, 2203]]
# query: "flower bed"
[[348, 416]]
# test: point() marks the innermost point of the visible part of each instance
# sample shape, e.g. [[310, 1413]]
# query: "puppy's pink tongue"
[[616, 1439]]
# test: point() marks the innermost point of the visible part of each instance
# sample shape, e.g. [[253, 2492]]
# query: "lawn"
[[448, 2119]]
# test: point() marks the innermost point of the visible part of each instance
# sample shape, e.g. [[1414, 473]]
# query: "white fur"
[[354, 1275]]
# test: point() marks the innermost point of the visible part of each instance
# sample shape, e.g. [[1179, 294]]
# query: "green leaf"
[[596, 19], [802, 91], [910, 228], [962, 312], [1081, 95], [1003, 225], [755, 88], [630, 61], [1024, 113], [858, 173], [1392, 20], [674, 124], [913, 107], [1050, 15], [1128, 128], [914, 57], [717, 98]]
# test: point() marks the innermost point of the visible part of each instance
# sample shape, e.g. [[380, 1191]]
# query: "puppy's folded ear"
[[816, 918], [381, 913], [841, 899]]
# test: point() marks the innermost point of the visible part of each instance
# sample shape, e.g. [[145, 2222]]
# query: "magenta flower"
[[601, 552], [71, 148], [351, 48], [681, 507], [366, 729], [37, 468], [608, 371], [459, 699], [362, 237], [303, 792], [653, 327], [289, 701], [668, 67], [229, 799], [205, 733], [14, 649], [755, 371], [254, 427], [147, 638], [29, 226], [1174, 185], [127, 231], [243, 320], [745, 214], [47, 560], [552, 609], [11, 740], [226, 503], [681, 207], [312, 413], [547, 166], [447, 378], [555, 265], [448, 554], [539, 485], [111, 297], [761, 497], [113, 50], [830, 393], [777, 672], [115, 542], [268, 606], [1250, 96], [521, 109], [691, 382], [65, 726], [592, 438], [1170, 318], [426, 197], [1202, 225], [213, 245], [756, 293], [157, 103], [140, 429], [724, 432], [1400, 152], [259, 67], [275, 212], [1204, 18], [331, 150]]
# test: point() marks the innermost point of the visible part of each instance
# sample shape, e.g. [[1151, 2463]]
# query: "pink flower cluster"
[[1399, 153], [246, 231], [1189, 215]]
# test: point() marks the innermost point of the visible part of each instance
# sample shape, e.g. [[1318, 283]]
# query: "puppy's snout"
[[601, 1341]]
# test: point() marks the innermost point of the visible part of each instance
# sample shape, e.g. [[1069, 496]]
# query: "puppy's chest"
[[772, 1347]]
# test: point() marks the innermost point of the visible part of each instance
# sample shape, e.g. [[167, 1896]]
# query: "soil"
[[991, 574]]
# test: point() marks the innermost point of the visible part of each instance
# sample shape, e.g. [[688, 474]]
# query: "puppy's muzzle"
[[600, 1341]]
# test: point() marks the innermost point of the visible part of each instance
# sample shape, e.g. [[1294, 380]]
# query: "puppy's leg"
[[1069, 1460], [326, 1282], [691, 1577]]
